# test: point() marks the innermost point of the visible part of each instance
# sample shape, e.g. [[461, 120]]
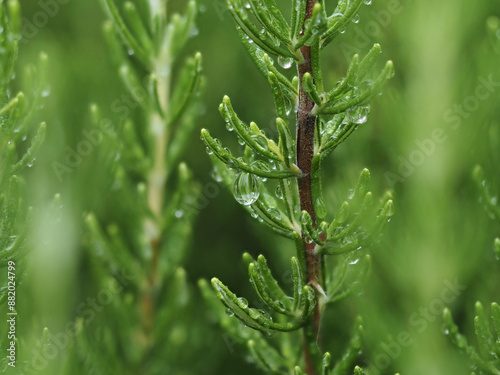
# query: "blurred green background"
[[417, 141]]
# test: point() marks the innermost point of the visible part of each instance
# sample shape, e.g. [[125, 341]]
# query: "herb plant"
[[17, 124], [323, 270], [138, 249], [485, 360]]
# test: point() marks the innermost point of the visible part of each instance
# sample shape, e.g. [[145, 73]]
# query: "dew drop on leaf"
[[285, 62], [390, 209], [274, 213], [262, 141], [246, 188], [279, 192], [243, 302], [356, 18]]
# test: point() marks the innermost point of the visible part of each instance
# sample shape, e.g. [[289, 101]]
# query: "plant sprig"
[[324, 119]]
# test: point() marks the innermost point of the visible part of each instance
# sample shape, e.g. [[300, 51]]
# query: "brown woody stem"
[[306, 123]]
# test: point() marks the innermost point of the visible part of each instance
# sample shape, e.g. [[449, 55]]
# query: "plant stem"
[[306, 123], [156, 181]]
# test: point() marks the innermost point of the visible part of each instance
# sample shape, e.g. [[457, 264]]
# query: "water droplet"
[[356, 18], [274, 213], [130, 52], [209, 151], [353, 261], [265, 315], [285, 62], [263, 166], [261, 140], [342, 31], [179, 214], [279, 192], [368, 2], [243, 302], [358, 115], [350, 195], [230, 312], [194, 32], [229, 126], [246, 188], [390, 209], [215, 174], [247, 5]]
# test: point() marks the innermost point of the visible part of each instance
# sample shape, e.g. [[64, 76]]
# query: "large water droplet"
[[285, 62], [358, 115], [243, 302], [246, 188]]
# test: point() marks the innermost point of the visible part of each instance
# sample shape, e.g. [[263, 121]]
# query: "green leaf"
[[325, 364], [256, 319], [298, 13], [241, 18], [299, 282], [352, 350], [484, 337], [267, 358], [225, 156], [185, 89], [314, 28], [127, 36], [272, 285], [286, 145], [337, 24], [257, 282], [370, 92], [368, 62], [345, 84], [310, 89], [9, 213], [271, 18], [137, 26], [273, 218]]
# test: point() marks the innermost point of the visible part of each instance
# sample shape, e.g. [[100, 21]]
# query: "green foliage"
[[487, 360], [356, 224], [138, 250], [17, 124]]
